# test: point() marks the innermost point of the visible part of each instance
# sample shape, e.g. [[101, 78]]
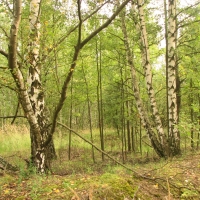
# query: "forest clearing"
[[100, 99]]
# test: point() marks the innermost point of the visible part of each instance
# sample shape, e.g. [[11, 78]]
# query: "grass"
[[14, 138], [80, 178]]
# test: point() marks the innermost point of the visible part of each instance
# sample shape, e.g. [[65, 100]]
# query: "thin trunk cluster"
[[143, 114], [163, 146], [148, 75]]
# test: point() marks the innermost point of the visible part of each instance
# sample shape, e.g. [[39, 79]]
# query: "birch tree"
[[148, 74], [31, 97], [174, 137], [34, 81], [158, 147]]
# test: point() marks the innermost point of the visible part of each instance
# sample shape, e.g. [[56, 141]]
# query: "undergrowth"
[[83, 178]]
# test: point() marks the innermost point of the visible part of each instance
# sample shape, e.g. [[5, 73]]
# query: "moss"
[[189, 194], [114, 187]]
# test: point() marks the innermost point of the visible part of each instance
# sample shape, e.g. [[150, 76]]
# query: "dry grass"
[[14, 138]]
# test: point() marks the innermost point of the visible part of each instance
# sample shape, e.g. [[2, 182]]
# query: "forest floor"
[[81, 179], [144, 176]]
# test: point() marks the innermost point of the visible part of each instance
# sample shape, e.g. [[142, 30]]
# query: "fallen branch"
[[98, 149], [10, 117], [4, 165], [136, 174]]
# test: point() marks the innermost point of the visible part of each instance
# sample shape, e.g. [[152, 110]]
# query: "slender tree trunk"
[[70, 121], [148, 76], [128, 126], [140, 134], [122, 118], [174, 137], [198, 135], [133, 139], [99, 96], [191, 114], [89, 112], [166, 61]]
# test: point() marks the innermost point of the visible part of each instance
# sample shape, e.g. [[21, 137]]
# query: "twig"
[[168, 187], [15, 113], [7, 117], [136, 192], [76, 195]]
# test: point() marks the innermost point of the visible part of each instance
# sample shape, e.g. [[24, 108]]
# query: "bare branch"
[[72, 30], [73, 65], [2, 52], [80, 21], [5, 32], [105, 24], [11, 117], [8, 86], [99, 149], [8, 6]]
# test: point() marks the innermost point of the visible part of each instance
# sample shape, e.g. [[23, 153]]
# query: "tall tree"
[[34, 81], [32, 100], [174, 136], [148, 75], [143, 113]]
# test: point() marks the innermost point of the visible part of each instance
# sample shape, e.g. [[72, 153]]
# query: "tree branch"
[[99, 149], [84, 42], [73, 65], [11, 117], [5, 54], [72, 30]]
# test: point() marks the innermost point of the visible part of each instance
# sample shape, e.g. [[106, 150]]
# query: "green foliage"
[[189, 194]]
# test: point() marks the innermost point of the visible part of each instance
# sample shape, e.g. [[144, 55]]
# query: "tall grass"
[[14, 138]]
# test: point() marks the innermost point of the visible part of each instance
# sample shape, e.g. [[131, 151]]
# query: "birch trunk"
[[148, 75], [40, 154], [143, 115], [174, 137], [21, 85], [32, 100]]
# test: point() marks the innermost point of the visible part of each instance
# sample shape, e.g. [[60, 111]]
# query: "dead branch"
[[7, 166]]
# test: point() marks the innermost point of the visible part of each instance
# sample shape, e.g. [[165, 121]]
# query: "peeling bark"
[[174, 137], [143, 115], [148, 75], [41, 154]]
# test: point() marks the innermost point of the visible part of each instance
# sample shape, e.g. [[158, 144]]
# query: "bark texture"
[[41, 154], [174, 137], [18, 76], [143, 115], [148, 75]]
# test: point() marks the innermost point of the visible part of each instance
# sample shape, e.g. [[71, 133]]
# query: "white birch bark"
[[143, 115], [34, 81], [17, 74], [35, 87], [174, 137], [148, 74]]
